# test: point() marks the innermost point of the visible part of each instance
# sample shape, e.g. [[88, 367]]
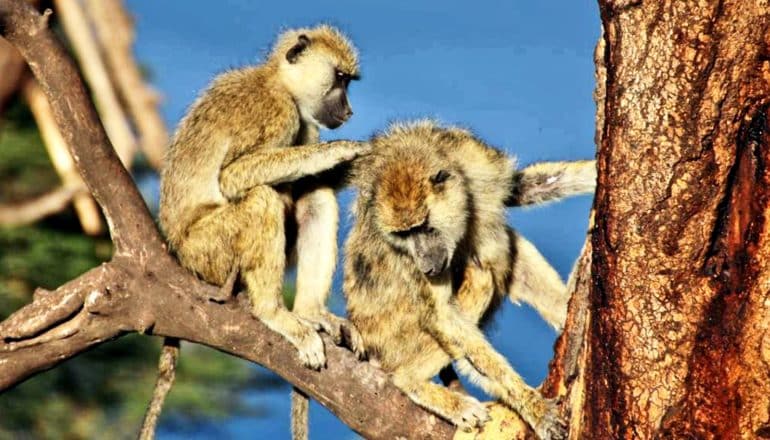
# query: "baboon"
[[247, 187], [430, 258]]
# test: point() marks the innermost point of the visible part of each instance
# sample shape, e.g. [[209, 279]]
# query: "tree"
[[668, 333]]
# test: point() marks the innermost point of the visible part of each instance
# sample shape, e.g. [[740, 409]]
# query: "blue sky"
[[519, 74]]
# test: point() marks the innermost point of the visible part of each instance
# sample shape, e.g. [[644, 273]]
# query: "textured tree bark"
[[673, 333]]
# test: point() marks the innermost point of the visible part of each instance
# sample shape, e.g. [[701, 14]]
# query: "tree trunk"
[[672, 334]]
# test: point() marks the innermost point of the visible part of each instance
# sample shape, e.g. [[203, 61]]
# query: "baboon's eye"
[[440, 177], [405, 233], [342, 78], [402, 234]]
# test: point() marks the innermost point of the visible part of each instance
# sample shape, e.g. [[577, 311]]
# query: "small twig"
[[30, 211], [44, 18]]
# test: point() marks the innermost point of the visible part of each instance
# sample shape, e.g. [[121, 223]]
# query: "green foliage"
[[103, 393]]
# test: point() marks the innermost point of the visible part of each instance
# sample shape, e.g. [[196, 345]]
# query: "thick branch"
[[119, 297]]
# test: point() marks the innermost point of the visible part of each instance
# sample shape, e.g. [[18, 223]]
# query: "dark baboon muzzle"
[[431, 255]]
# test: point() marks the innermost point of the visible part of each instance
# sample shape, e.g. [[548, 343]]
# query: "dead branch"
[[79, 33], [30, 211], [12, 68], [85, 207], [115, 32]]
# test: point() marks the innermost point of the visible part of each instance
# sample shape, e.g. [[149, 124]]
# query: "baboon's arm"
[[537, 283], [273, 166]]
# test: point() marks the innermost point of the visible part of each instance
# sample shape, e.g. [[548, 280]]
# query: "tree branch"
[[75, 23], [85, 207], [30, 211], [115, 30]]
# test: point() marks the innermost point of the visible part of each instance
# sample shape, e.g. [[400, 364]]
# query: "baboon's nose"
[[436, 267]]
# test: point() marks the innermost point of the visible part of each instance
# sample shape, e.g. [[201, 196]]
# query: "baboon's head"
[[316, 65], [418, 199]]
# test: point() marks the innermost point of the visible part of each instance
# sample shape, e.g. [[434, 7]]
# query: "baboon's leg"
[[317, 216], [261, 245], [537, 283], [475, 293], [249, 234], [414, 379]]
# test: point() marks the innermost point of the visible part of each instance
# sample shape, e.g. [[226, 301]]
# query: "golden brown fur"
[[243, 177], [429, 193]]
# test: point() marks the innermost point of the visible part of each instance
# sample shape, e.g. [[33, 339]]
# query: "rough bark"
[[677, 341], [143, 289]]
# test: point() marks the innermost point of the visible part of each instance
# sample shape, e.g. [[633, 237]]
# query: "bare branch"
[[85, 207], [115, 32], [79, 33], [45, 312], [30, 211], [119, 297]]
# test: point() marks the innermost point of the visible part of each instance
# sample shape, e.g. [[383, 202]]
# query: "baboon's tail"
[[299, 415], [550, 181], [166, 373]]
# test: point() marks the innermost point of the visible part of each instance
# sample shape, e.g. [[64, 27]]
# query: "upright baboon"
[[246, 182]]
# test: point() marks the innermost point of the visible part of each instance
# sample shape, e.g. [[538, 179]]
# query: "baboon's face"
[[421, 209], [318, 83]]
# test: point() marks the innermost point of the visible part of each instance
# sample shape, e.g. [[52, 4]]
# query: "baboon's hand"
[[551, 426], [470, 414], [341, 330], [310, 345], [353, 340], [352, 150]]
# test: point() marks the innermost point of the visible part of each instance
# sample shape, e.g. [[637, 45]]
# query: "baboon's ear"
[[302, 43]]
